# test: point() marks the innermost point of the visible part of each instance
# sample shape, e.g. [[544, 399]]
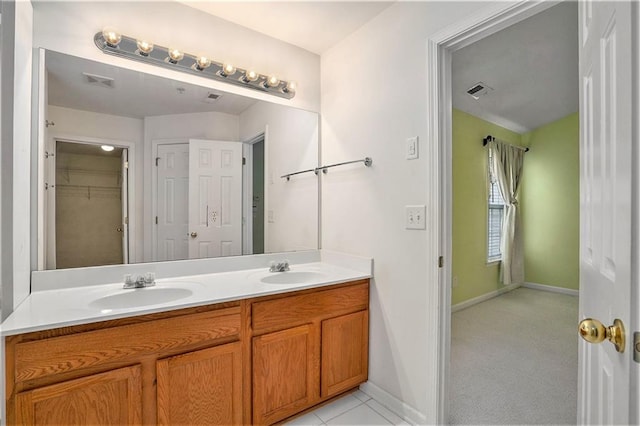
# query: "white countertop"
[[48, 309]]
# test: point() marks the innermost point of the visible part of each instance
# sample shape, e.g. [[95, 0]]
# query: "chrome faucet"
[[141, 281], [279, 266]]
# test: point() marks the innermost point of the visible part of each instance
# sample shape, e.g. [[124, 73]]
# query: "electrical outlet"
[[412, 148], [415, 217]]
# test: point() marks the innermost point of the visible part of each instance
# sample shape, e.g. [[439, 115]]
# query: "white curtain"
[[506, 167]]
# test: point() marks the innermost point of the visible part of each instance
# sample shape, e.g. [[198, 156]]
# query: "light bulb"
[[228, 69], [144, 47], [203, 62], [272, 81], [290, 87], [250, 75], [107, 148], [175, 55], [111, 36]]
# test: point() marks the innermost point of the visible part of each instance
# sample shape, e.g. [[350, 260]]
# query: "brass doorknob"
[[194, 234], [593, 331]]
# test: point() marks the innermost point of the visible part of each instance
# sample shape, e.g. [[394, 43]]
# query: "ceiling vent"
[[478, 89], [98, 80], [211, 98]]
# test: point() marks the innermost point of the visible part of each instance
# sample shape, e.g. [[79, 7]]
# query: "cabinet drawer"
[[41, 358], [301, 309]]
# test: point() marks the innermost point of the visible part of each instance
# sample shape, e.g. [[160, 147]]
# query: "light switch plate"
[[271, 216], [415, 217], [412, 148]]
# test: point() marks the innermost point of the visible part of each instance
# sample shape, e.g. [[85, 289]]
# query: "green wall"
[[549, 200], [472, 276], [550, 204]]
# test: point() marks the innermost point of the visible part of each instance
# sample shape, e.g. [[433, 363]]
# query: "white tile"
[[361, 395], [337, 407], [386, 413], [308, 419], [361, 415]]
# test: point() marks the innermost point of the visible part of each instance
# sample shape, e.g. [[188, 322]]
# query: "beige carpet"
[[514, 360]]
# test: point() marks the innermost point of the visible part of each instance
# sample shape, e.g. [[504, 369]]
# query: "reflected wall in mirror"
[[193, 172]]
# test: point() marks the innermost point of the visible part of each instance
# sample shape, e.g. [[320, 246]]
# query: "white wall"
[[291, 144], [69, 27], [363, 209], [83, 126], [202, 125], [16, 149]]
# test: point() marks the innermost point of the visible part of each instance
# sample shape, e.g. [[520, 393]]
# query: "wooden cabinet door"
[[111, 398], [285, 373], [202, 387], [345, 351]]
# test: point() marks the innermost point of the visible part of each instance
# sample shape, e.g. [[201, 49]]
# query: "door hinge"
[[156, 220], [636, 347], [440, 262], [244, 161], [126, 165], [157, 159], [126, 220]]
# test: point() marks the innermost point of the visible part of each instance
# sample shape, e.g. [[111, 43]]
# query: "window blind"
[[495, 215]]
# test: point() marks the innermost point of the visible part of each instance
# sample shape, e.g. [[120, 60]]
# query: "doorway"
[[440, 51], [91, 205], [490, 319]]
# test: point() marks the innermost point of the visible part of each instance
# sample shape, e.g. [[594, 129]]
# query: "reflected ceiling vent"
[[479, 89], [98, 80], [211, 97]]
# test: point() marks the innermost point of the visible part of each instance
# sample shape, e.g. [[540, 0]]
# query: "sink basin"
[[292, 277], [141, 297]]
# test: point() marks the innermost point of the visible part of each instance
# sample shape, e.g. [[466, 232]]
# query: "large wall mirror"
[[140, 168]]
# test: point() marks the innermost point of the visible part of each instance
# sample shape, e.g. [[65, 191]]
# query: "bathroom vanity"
[[256, 359]]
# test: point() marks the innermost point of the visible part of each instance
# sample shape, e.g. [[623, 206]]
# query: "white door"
[[173, 202], [606, 207], [215, 198], [125, 204]]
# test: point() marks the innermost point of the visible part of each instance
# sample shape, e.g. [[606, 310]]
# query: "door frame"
[[247, 188], [440, 48], [49, 175]]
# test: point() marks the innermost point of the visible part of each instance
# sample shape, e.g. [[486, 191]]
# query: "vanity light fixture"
[[272, 81], [202, 63], [144, 47], [250, 76], [111, 42], [111, 37], [175, 55], [290, 87], [107, 148], [227, 70]]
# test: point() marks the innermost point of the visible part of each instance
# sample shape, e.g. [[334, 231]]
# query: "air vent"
[[211, 98], [478, 89], [98, 80]]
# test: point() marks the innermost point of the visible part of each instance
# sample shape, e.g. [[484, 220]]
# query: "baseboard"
[[402, 409], [484, 297], [551, 288]]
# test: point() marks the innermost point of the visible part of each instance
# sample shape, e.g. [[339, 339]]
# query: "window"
[[495, 214]]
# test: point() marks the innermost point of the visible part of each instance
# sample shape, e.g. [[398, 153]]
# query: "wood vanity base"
[[257, 361]]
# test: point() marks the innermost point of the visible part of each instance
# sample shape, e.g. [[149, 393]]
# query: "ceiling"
[[313, 25], [532, 67], [133, 94]]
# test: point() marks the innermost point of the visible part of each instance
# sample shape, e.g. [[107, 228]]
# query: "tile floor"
[[356, 408]]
